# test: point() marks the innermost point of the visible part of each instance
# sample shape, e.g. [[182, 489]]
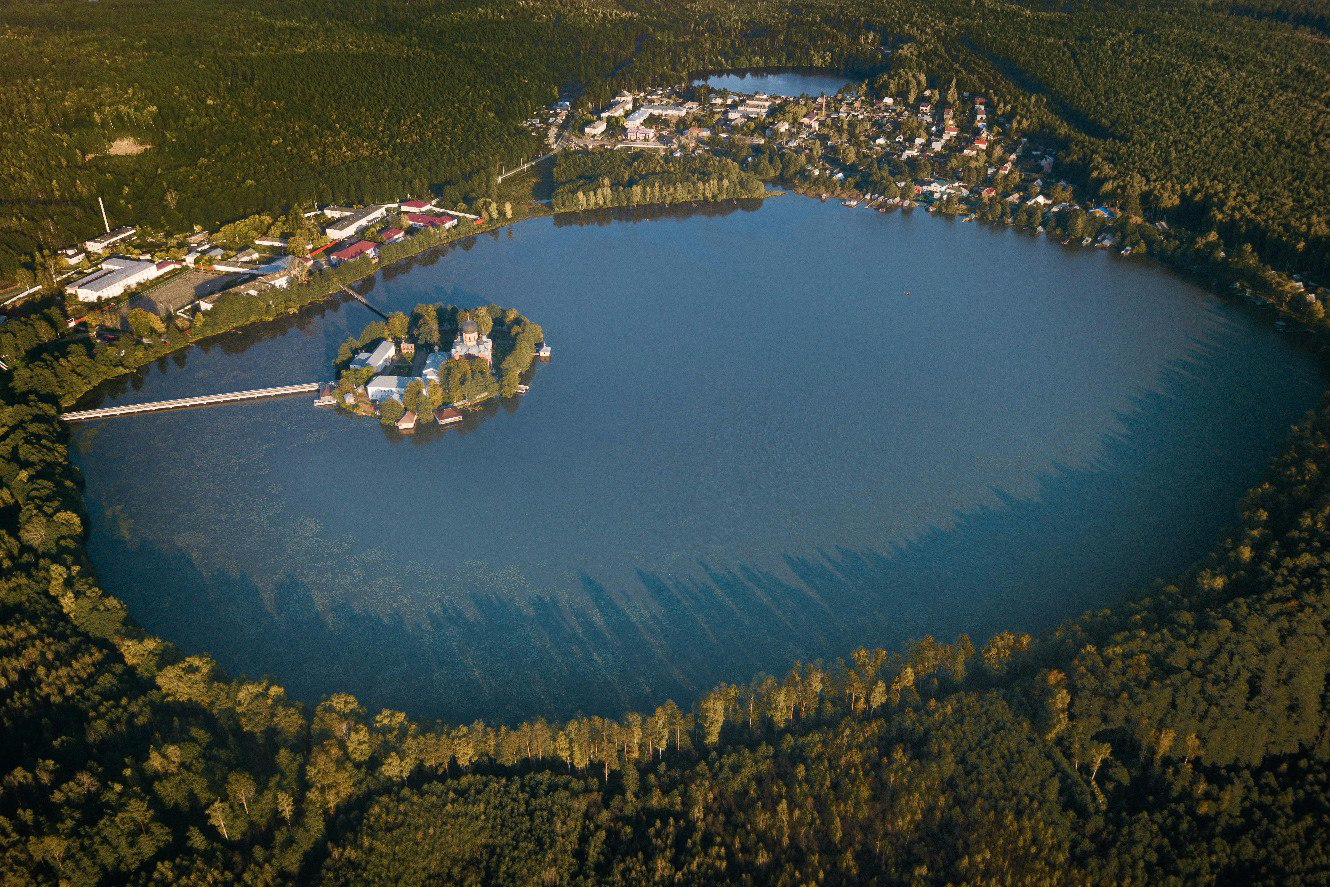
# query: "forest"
[[601, 179], [1180, 736]]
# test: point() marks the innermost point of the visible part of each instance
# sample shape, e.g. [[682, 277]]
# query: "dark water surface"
[[792, 82], [750, 447]]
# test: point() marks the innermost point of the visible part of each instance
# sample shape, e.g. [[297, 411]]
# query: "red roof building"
[[392, 235], [425, 220], [357, 250]]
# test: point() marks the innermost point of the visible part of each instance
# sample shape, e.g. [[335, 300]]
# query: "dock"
[[181, 403]]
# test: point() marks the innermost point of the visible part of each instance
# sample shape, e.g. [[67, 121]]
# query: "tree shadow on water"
[[1160, 492]]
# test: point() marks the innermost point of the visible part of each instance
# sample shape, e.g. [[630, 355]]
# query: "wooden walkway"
[[181, 403], [362, 300]]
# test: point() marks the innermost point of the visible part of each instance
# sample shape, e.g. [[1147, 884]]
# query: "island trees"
[[440, 355]]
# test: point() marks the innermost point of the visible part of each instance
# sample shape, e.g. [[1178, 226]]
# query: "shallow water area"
[[750, 447]]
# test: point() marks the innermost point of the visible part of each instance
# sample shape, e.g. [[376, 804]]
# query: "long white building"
[[345, 226], [116, 275]]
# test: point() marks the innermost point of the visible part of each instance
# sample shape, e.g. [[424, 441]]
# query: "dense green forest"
[[602, 179], [1181, 736]]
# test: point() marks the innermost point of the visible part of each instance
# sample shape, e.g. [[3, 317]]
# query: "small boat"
[[1126, 251], [1085, 242], [906, 293], [523, 389], [850, 202]]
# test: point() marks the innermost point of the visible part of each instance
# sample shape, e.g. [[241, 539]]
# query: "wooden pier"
[[181, 403], [362, 300]]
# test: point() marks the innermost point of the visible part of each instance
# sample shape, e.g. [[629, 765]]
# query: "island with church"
[[435, 363]]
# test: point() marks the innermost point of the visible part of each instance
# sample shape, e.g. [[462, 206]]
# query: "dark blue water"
[[793, 83], [750, 447]]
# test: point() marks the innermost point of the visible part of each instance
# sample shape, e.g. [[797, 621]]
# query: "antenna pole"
[[104, 221]]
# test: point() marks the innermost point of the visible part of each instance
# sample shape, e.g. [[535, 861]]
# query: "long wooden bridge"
[[181, 403], [366, 302]]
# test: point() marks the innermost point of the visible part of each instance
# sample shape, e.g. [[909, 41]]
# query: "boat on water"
[[1126, 251], [850, 202], [523, 389]]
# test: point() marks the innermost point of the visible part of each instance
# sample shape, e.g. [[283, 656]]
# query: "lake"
[[751, 447], [792, 82]]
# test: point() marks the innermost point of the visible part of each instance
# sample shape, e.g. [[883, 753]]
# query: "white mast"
[[104, 221]]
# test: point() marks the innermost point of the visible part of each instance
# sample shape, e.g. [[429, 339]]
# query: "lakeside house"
[[110, 238], [379, 358], [470, 343], [447, 415], [407, 422], [427, 220], [359, 249], [392, 235], [115, 276]]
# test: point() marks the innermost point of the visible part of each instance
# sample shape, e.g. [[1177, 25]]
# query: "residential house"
[[425, 220], [357, 250]]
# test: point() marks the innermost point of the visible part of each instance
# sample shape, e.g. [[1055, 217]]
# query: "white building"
[[619, 107], [116, 275], [435, 360], [671, 111], [356, 221], [379, 358], [383, 387], [595, 127], [110, 239]]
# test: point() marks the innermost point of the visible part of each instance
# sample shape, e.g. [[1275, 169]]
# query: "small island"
[[403, 370]]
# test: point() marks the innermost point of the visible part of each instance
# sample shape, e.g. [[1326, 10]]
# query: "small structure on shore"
[[407, 422], [544, 351], [447, 416], [326, 396]]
